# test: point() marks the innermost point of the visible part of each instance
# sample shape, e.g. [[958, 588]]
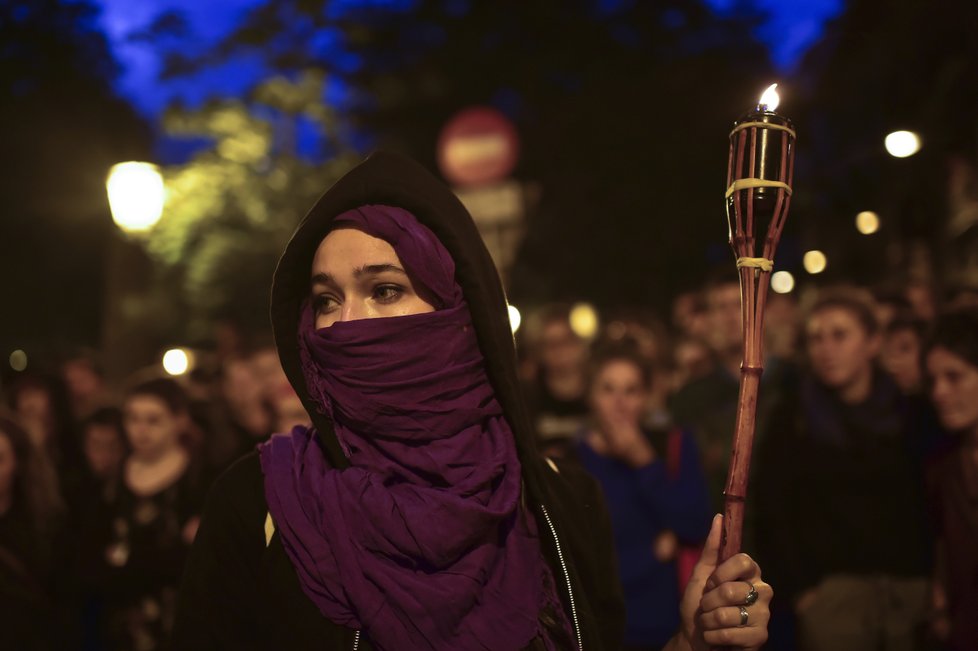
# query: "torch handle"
[[736, 489]]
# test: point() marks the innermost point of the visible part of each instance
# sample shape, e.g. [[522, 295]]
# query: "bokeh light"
[[514, 318], [815, 262], [136, 195], [584, 320], [782, 282], [867, 222], [901, 144], [18, 360], [176, 361]]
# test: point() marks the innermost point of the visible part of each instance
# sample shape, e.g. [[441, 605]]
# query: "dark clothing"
[[838, 489], [26, 609], [708, 407], [952, 482], [240, 594], [556, 420], [131, 556], [645, 503]]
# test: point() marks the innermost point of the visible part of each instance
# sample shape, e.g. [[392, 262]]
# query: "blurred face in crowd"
[[900, 356], [618, 395], [692, 359], [561, 351], [358, 276], [103, 449], [724, 318], [8, 466], [33, 405], [840, 349], [82, 380], [954, 390], [152, 427], [240, 383]]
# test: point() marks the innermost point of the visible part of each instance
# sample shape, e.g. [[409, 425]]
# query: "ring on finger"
[[751, 597], [744, 615]]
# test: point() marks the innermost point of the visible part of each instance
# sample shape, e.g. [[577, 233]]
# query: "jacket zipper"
[[563, 566]]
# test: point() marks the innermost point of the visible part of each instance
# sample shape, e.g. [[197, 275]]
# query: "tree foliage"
[[231, 209], [622, 107]]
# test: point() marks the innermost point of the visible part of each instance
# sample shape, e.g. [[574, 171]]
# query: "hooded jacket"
[[240, 590]]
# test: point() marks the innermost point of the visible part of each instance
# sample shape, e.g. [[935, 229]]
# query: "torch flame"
[[770, 100]]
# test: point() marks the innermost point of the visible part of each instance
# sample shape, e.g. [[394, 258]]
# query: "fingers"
[[739, 567], [722, 608], [725, 626], [735, 593], [729, 617], [711, 548], [748, 637]]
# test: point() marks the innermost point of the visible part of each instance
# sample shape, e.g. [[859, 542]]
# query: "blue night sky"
[[792, 27]]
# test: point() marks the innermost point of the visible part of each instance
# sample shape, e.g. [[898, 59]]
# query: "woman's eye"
[[323, 303], [387, 293]]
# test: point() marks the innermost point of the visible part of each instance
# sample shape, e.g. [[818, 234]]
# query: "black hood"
[[391, 179]]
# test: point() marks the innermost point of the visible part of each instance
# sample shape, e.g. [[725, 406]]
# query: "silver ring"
[[751, 597], [743, 615]]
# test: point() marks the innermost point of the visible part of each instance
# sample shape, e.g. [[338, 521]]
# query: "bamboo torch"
[[759, 175]]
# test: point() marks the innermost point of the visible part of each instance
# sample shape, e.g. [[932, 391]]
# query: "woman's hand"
[[712, 609]]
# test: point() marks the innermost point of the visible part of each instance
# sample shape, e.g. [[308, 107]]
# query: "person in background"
[[105, 448], [30, 519], [41, 405], [692, 359], [838, 491], [650, 339], [707, 404], [136, 544], [85, 382], [951, 358], [655, 491], [903, 340], [243, 391], [557, 395], [688, 314]]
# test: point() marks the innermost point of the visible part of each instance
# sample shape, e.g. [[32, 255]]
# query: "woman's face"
[[954, 389], [103, 449], [618, 395], [8, 465], [358, 276], [900, 356], [153, 429], [839, 348]]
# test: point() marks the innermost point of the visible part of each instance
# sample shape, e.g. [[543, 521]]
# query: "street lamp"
[[136, 195], [902, 144]]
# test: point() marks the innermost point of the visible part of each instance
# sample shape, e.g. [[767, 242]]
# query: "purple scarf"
[[421, 542]]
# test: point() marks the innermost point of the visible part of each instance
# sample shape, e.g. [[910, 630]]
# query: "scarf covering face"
[[421, 542]]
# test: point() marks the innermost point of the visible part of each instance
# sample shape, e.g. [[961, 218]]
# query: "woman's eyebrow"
[[377, 269], [369, 269]]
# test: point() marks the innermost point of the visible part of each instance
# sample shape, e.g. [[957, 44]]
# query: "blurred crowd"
[[101, 491], [862, 505], [863, 497]]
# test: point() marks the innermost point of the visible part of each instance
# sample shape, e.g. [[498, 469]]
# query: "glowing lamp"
[[136, 195]]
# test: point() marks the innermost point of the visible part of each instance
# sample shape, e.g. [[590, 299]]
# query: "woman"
[[416, 514], [137, 542], [852, 556], [655, 489], [30, 512], [952, 368]]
